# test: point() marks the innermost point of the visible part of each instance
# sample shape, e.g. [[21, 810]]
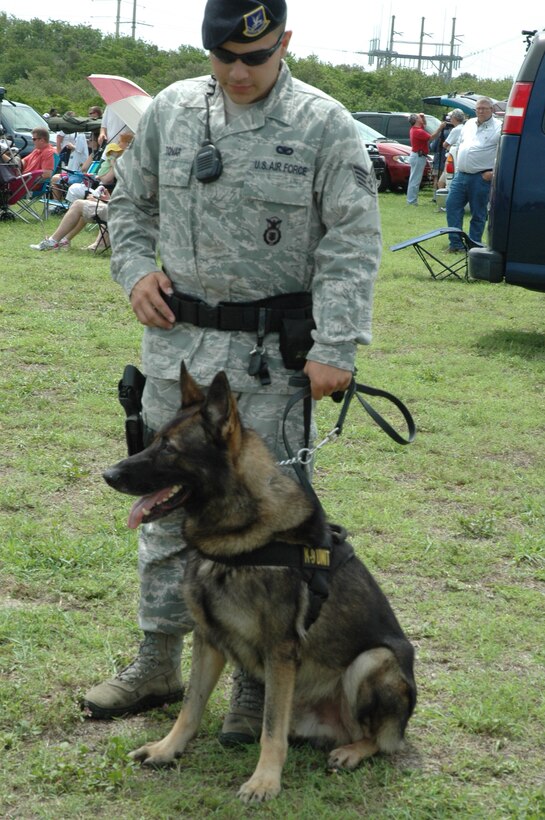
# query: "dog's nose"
[[112, 475]]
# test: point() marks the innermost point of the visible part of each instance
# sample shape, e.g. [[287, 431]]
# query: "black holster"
[[129, 390], [295, 341]]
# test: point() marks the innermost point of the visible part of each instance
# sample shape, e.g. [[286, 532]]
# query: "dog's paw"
[[154, 755], [259, 789], [350, 756]]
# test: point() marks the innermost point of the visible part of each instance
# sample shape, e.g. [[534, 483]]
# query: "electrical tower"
[[444, 61]]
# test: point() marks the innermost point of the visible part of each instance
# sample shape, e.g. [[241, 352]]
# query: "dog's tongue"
[[145, 504]]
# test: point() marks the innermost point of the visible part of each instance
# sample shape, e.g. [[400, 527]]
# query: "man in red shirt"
[[42, 158], [420, 146]]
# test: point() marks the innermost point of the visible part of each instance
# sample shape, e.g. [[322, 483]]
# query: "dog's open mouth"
[[156, 505]]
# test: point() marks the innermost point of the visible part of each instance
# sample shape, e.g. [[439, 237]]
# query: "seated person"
[[65, 142], [42, 158], [75, 219], [80, 186]]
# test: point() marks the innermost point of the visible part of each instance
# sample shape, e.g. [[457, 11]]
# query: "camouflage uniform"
[[295, 209]]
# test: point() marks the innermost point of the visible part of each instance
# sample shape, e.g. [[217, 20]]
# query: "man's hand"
[[147, 300], [326, 379]]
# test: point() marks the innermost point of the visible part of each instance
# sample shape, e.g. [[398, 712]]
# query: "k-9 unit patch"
[[365, 179]]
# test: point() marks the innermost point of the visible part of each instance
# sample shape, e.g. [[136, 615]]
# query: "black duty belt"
[[262, 315]]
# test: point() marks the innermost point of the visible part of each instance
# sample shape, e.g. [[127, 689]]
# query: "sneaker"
[[64, 244], [151, 680], [243, 723], [46, 245], [454, 250]]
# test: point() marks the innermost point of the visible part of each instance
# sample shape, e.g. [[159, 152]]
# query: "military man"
[[247, 185]]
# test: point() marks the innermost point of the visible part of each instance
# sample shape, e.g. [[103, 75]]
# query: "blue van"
[[516, 226]]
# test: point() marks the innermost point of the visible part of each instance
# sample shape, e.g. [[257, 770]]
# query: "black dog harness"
[[316, 564]]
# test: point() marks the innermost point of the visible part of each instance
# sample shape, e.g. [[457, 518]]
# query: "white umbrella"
[[126, 98]]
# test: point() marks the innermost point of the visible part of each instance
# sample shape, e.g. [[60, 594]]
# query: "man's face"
[[247, 84], [39, 142], [483, 111]]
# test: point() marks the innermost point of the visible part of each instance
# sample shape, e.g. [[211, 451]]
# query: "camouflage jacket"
[[295, 209]]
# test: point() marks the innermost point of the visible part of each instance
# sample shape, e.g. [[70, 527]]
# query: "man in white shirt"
[[477, 148], [457, 120], [112, 126]]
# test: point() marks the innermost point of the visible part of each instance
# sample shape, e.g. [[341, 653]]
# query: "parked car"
[[17, 120], [466, 102], [516, 239], [396, 159], [394, 125], [379, 163]]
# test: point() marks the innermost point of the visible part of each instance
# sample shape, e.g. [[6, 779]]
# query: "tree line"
[[46, 64]]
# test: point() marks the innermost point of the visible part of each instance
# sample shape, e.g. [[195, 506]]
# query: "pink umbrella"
[[123, 96]]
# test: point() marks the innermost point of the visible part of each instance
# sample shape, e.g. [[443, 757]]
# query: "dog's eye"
[[168, 448]]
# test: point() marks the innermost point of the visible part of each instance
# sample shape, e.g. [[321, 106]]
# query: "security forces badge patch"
[[255, 22], [272, 235]]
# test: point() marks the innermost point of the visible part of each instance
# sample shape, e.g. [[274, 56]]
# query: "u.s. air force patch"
[[365, 179]]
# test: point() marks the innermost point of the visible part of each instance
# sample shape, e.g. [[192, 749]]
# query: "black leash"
[[354, 390]]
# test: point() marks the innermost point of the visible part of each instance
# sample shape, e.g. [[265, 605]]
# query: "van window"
[[398, 128], [21, 118]]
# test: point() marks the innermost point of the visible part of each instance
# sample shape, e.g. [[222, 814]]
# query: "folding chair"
[[9, 172], [438, 268], [29, 193], [68, 178], [103, 243], [16, 192]]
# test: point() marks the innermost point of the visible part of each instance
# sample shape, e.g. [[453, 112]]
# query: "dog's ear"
[[221, 409], [191, 392], [218, 400]]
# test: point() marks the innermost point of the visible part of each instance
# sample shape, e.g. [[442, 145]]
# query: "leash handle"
[[356, 389]]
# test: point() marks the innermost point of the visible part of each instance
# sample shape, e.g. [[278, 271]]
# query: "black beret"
[[241, 21]]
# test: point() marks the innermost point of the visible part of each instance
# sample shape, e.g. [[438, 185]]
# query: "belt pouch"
[[295, 341]]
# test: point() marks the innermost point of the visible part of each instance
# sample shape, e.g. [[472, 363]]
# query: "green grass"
[[453, 527]]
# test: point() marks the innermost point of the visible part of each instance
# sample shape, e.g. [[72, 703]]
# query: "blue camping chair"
[[438, 268], [27, 202]]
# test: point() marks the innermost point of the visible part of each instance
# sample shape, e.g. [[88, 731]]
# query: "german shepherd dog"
[[340, 677]]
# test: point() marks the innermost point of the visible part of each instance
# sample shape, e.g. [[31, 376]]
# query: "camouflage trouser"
[[162, 552]]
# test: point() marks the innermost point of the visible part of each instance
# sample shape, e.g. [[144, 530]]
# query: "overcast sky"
[[489, 36]]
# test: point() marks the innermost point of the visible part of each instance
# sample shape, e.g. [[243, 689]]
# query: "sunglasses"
[[251, 58]]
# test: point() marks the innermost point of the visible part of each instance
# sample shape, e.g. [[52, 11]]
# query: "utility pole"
[[443, 60], [134, 22]]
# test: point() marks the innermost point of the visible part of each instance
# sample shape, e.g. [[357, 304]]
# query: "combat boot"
[[243, 722], [151, 680]]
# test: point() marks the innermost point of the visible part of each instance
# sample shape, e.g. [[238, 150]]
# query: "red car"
[[396, 155]]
